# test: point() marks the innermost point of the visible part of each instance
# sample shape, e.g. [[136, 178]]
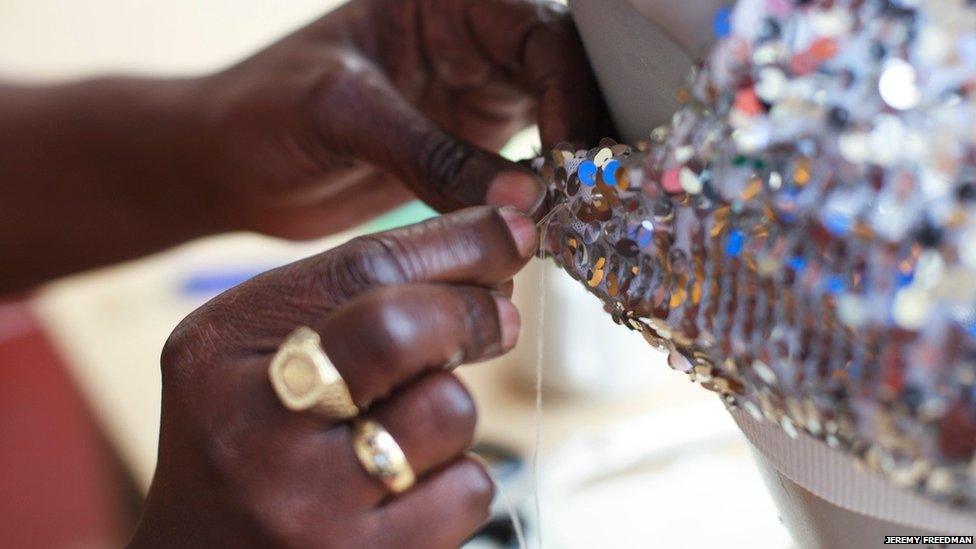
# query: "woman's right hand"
[[236, 468]]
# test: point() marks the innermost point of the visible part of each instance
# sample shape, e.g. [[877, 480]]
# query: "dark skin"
[[375, 103], [237, 469]]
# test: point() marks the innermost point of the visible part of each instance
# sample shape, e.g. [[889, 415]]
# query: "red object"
[[57, 488], [823, 48], [819, 51], [670, 181], [747, 102]]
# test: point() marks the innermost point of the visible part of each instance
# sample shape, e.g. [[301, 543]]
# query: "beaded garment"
[[802, 237]]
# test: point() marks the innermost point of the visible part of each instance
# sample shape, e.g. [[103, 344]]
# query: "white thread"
[[537, 442], [540, 355], [506, 501]]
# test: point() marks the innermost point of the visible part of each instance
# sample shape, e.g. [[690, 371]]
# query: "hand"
[[345, 118], [374, 103], [236, 468]]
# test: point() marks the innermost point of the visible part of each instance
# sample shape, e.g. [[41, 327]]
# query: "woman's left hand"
[[323, 129], [391, 312]]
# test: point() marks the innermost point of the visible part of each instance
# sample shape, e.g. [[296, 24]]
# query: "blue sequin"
[[610, 172], [587, 173], [797, 263], [904, 279], [835, 284], [737, 240], [838, 224], [644, 240], [641, 233], [722, 22]]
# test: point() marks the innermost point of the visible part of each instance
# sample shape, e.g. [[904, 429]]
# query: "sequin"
[[747, 102], [721, 23], [910, 308], [627, 247], [771, 85], [610, 172], [679, 362], [671, 182], [801, 238], [801, 173], [602, 156], [897, 85], [735, 243], [587, 173], [689, 182]]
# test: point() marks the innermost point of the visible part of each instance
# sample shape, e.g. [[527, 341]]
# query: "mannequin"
[[641, 51]]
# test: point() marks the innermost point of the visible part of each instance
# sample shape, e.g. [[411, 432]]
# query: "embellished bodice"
[[802, 237]]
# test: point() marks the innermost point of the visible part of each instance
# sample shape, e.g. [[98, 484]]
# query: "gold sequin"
[[801, 172], [595, 278], [752, 189]]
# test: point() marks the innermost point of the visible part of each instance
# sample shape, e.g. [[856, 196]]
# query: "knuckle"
[[277, 515], [442, 160], [335, 102], [176, 349], [342, 75], [486, 222], [477, 316], [180, 345], [467, 237], [391, 319], [379, 332], [221, 458], [277, 522], [449, 407], [456, 405], [365, 261], [193, 341], [375, 531], [228, 447], [474, 236]]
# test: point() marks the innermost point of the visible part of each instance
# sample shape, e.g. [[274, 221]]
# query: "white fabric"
[[831, 475]]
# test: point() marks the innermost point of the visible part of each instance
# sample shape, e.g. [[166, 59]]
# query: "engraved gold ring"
[[305, 379]]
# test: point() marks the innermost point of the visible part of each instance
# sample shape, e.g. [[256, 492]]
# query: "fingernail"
[[456, 360], [516, 188], [522, 228], [509, 321]]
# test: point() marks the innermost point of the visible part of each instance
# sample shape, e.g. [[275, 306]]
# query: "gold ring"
[[305, 379], [381, 456]]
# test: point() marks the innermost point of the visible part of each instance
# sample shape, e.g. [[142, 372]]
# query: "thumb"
[[364, 116]]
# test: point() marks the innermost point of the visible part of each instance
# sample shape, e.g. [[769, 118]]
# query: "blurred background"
[[630, 453]]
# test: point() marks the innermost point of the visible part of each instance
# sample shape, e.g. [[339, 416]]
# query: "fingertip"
[[516, 188], [509, 321], [522, 229], [475, 473]]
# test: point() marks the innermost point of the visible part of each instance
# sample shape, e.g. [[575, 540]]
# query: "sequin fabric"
[[801, 238]]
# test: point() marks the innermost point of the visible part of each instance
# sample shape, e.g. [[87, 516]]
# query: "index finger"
[[482, 246], [479, 246]]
